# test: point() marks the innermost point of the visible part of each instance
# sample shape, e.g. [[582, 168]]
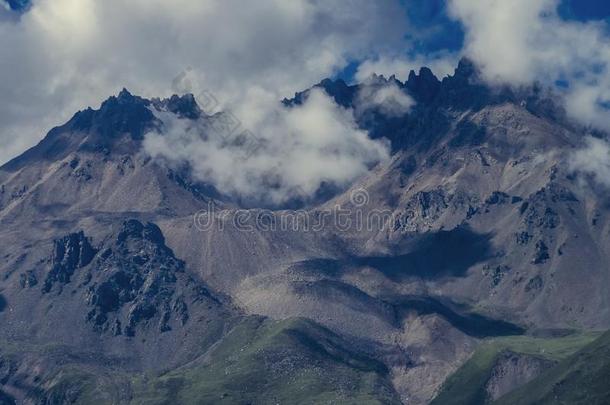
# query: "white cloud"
[[520, 41], [593, 159], [64, 55], [300, 149], [388, 98]]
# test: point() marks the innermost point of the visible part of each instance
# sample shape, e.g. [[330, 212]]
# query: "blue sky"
[[433, 30], [584, 10], [433, 13], [17, 4], [426, 13]]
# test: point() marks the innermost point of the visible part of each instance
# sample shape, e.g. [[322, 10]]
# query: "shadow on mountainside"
[[430, 256], [472, 324], [436, 255]]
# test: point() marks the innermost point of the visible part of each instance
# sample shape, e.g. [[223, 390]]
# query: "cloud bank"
[[288, 153], [388, 99], [520, 41], [594, 160], [63, 55]]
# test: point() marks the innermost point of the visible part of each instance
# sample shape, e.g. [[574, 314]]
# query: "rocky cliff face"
[[486, 233]]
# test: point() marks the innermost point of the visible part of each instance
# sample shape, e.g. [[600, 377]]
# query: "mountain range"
[[485, 283]]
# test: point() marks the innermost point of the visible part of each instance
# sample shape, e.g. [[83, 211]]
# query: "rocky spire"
[[423, 87]]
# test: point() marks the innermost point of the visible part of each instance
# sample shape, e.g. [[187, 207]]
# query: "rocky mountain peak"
[[466, 69], [125, 95], [466, 91], [462, 91], [183, 106], [381, 80], [131, 114], [423, 86], [118, 126], [118, 115], [124, 99], [341, 92]]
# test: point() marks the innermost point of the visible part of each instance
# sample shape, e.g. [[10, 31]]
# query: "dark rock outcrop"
[[28, 279], [137, 281], [343, 94], [424, 87], [542, 253], [535, 284], [123, 114], [184, 107], [134, 282], [69, 254]]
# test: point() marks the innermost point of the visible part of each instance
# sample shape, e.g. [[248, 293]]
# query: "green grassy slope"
[[467, 385], [293, 361], [583, 378], [259, 361]]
